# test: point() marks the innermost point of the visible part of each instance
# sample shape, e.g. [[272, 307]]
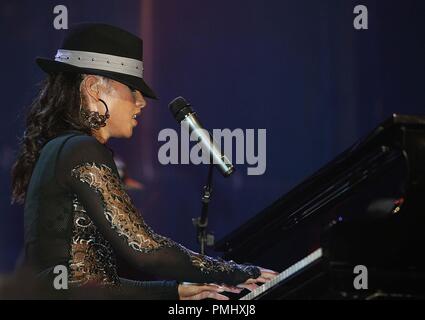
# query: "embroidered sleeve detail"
[[118, 208], [130, 225]]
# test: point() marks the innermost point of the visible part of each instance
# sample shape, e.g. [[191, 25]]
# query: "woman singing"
[[77, 213]]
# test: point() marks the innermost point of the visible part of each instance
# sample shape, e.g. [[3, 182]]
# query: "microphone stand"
[[201, 223]]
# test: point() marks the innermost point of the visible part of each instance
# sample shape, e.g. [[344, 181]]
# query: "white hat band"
[[107, 62]]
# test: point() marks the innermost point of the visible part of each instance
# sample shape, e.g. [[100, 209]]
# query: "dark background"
[[296, 68]]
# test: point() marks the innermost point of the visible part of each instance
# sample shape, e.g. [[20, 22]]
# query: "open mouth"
[[134, 118], [136, 115]]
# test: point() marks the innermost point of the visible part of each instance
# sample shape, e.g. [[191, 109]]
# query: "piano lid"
[[355, 168]]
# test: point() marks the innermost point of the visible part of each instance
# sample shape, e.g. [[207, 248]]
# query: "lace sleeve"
[[100, 190]]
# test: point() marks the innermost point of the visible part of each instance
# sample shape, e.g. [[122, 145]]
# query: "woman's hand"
[[194, 291], [266, 275]]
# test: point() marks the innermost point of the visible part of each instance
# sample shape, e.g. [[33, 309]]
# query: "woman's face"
[[124, 105]]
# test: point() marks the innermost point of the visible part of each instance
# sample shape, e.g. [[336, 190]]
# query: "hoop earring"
[[93, 119]]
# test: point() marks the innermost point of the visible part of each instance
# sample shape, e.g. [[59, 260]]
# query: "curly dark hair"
[[55, 110]]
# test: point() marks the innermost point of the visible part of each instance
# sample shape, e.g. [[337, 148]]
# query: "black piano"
[[366, 208]]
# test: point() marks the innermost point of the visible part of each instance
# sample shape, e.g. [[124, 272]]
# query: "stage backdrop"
[[298, 69]]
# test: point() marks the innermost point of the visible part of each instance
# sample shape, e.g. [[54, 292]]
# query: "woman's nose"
[[141, 105], [140, 101]]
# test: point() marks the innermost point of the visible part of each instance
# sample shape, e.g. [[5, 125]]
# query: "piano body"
[[366, 207]]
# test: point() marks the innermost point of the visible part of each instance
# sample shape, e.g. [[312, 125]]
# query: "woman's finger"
[[211, 287], [261, 280], [268, 271], [231, 289], [249, 286], [208, 295], [268, 276], [222, 288], [250, 280]]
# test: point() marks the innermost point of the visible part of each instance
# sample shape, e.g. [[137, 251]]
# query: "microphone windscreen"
[[180, 108]]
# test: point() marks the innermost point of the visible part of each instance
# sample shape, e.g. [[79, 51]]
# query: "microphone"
[[182, 111]]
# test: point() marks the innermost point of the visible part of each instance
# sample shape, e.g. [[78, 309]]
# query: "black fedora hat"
[[101, 49]]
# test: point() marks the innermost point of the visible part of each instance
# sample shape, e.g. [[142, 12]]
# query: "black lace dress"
[[78, 214]]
